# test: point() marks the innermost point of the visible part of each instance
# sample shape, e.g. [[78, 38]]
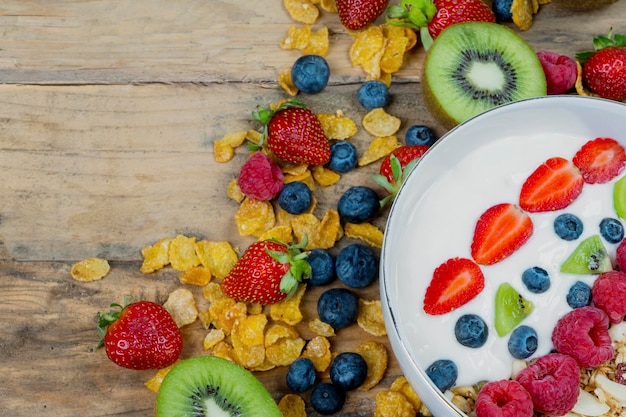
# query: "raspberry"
[[583, 334], [609, 294], [560, 70], [552, 382], [505, 398], [620, 256], [620, 373], [260, 177]]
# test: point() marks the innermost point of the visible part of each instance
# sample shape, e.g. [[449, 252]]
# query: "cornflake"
[[401, 384], [370, 317], [288, 311], [367, 50], [286, 83], [245, 334], [218, 256], [329, 5], [318, 351], [224, 148], [378, 149], [90, 269], [303, 11], [324, 176], [377, 359], [212, 338], [393, 404], [283, 344], [296, 37], [254, 217], [337, 125], [154, 383], [197, 275], [156, 256], [182, 307], [378, 122], [321, 328], [292, 405], [182, 253], [365, 231], [234, 192]]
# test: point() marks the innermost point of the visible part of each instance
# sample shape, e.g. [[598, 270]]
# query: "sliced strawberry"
[[500, 231], [600, 160], [554, 185], [454, 283]]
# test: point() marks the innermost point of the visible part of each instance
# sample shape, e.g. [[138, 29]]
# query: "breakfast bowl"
[[479, 164]]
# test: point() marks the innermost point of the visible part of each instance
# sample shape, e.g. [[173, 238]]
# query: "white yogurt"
[[443, 219]]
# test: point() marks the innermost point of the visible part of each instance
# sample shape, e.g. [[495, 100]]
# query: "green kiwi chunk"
[[204, 386], [511, 308], [619, 197], [589, 257], [475, 66]]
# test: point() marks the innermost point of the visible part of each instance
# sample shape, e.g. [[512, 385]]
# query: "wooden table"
[[108, 110]]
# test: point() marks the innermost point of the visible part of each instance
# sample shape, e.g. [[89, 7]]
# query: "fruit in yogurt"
[[619, 197], [589, 257], [609, 294], [454, 283], [611, 230], [511, 308], [600, 160], [503, 398], [553, 185], [475, 66], [500, 230]]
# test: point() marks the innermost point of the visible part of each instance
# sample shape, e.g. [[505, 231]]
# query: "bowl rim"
[[431, 396]]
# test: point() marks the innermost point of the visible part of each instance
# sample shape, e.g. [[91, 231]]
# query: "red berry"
[[356, 14], [609, 294], [583, 334], [560, 70], [552, 382], [505, 398], [500, 231], [450, 12], [600, 160], [620, 255], [454, 283], [554, 185], [260, 177], [604, 69]]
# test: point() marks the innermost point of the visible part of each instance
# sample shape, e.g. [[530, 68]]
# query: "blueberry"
[[343, 156], [502, 10], [568, 226], [523, 342], [373, 94], [536, 279], [295, 197], [419, 135], [322, 267], [356, 266], [443, 373], [310, 73], [358, 204], [301, 375], [471, 330], [327, 399], [579, 295], [348, 371], [338, 307], [612, 230]]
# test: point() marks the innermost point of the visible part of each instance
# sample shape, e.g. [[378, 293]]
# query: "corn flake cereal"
[[156, 256], [370, 317], [318, 350], [321, 328], [283, 344], [224, 148], [293, 169], [254, 136], [337, 125], [377, 359], [378, 122], [393, 404], [225, 312], [154, 383], [181, 305], [224, 350], [401, 384], [218, 256], [366, 231], [328, 232], [251, 329], [324, 176], [305, 224], [286, 83], [329, 5], [213, 292], [367, 49], [198, 275], [379, 148], [245, 333], [233, 191], [303, 11], [288, 311], [522, 11], [182, 253], [254, 217], [318, 42], [305, 177], [212, 338], [282, 233], [393, 55], [90, 269], [292, 405], [296, 37]]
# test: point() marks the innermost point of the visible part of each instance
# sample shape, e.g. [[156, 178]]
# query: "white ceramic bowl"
[[479, 163]]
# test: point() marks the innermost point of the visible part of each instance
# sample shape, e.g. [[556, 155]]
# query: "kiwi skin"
[[199, 374], [584, 4]]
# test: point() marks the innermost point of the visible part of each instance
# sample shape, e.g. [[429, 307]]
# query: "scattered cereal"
[[324, 176], [197, 275], [321, 328], [370, 317], [254, 217], [181, 305], [218, 256], [393, 404], [367, 50], [318, 350], [288, 311], [286, 83], [329, 5], [154, 383], [378, 122], [224, 148], [182, 253], [365, 231], [234, 192], [401, 384], [337, 125], [302, 10], [377, 359], [296, 37], [292, 405], [378, 149], [90, 269], [156, 256], [212, 338]]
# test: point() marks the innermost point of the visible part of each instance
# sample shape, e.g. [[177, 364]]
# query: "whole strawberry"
[[268, 272], [294, 133], [604, 69], [140, 335], [396, 166], [431, 17], [356, 14]]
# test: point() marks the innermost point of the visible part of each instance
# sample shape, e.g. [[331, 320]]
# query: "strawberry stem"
[[414, 14], [106, 319], [264, 115], [299, 268], [611, 40]]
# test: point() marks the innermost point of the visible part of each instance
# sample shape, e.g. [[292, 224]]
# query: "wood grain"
[[108, 111]]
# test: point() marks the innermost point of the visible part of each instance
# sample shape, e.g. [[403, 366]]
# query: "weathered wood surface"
[[108, 110]]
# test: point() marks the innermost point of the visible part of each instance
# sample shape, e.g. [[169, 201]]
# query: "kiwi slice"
[[589, 257], [474, 66], [511, 309], [205, 386], [619, 197]]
